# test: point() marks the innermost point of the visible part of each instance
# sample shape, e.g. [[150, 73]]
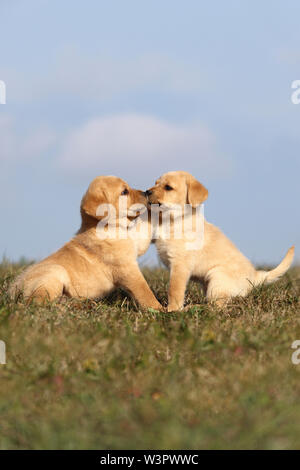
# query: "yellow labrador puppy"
[[94, 262], [205, 252]]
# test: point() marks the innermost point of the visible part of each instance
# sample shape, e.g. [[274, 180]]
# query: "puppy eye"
[[168, 188], [124, 192]]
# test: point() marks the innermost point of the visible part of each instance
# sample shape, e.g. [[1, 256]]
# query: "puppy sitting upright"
[[92, 265], [205, 254]]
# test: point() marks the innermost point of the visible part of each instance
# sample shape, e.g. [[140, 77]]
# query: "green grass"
[[105, 375]]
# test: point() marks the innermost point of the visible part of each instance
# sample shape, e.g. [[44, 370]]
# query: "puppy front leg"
[[179, 278], [134, 282]]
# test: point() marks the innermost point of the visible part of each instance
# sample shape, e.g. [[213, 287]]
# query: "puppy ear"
[[90, 203], [196, 192]]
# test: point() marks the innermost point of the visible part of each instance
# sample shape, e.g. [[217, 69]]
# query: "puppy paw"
[[221, 303], [174, 308]]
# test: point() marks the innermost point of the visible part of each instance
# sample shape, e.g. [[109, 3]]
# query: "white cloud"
[[133, 143], [129, 145]]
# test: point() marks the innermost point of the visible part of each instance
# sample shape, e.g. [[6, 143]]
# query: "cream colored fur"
[[90, 267], [223, 269]]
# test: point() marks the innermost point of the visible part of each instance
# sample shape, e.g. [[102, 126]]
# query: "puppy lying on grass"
[[213, 259], [90, 265]]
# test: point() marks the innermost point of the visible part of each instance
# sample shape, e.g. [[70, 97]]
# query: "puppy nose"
[[148, 192]]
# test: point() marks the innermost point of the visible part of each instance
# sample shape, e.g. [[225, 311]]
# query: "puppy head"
[[113, 192], [177, 188]]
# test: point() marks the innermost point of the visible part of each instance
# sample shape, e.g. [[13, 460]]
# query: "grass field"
[[105, 375]]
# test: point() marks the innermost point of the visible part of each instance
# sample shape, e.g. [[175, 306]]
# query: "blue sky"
[[138, 88]]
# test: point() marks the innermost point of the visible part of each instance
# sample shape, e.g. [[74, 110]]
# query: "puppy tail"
[[272, 276]]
